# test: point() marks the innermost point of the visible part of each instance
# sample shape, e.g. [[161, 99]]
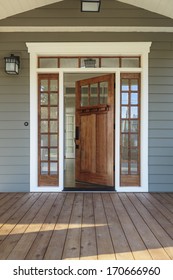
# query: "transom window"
[[89, 62]]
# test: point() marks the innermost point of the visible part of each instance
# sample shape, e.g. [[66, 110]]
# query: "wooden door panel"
[[95, 130], [88, 143], [101, 154]]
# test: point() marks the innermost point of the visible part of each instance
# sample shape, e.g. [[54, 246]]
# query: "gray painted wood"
[[14, 91]]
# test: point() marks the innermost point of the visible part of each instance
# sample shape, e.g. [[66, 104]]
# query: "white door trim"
[[89, 48]]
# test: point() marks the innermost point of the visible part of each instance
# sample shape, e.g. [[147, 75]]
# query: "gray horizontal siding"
[[14, 91], [67, 13], [161, 117], [14, 187]]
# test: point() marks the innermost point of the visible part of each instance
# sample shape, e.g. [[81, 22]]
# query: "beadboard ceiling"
[[12, 7]]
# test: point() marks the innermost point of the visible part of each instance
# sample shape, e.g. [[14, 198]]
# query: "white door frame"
[[88, 49]]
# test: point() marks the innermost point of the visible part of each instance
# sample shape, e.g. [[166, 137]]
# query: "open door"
[[95, 130]]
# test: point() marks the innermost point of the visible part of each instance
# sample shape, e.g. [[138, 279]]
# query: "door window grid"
[[48, 129], [130, 129], [92, 62]]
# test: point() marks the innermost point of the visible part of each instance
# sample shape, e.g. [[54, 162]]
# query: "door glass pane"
[[125, 139], [53, 126], [134, 154], [130, 62], [103, 92], [125, 98], [54, 140], [84, 96], [44, 99], [125, 85], [44, 140], [44, 126], [69, 62], [134, 112], [124, 167], [53, 112], [44, 168], [44, 113], [44, 154], [53, 99], [44, 85], [124, 126], [53, 168], [125, 112], [134, 126], [134, 98], [53, 154], [134, 140], [134, 84], [53, 85], [48, 62], [110, 62], [93, 94], [134, 167]]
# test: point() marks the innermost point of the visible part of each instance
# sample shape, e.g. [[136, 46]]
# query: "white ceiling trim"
[[71, 29]]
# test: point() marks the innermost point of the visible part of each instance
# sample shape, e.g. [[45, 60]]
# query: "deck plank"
[[73, 239], [60, 231], [88, 234], [104, 242], [13, 238], [121, 246], [41, 242], [165, 240], [160, 207], [22, 247], [86, 226], [154, 247], [137, 246], [22, 206], [165, 200], [157, 215], [8, 208]]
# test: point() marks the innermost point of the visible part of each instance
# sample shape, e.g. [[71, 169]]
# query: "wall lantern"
[[90, 5], [12, 64], [90, 63]]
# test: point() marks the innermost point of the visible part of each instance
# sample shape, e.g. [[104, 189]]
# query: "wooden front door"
[[95, 130]]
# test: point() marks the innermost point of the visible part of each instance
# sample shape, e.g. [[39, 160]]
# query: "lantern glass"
[[12, 64]]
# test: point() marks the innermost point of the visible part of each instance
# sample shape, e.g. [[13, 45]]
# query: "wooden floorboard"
[[86, 226]]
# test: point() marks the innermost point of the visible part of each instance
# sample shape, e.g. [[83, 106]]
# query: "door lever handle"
[[77, 137], [77, 133]]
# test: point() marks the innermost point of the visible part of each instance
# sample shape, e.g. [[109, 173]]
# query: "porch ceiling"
[[12, 7]]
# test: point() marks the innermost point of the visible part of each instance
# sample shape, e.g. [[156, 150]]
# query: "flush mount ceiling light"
[[12, 64], [90, 5]]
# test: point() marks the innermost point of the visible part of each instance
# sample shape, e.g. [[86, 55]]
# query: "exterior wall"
[[14, 91], [161, 117]]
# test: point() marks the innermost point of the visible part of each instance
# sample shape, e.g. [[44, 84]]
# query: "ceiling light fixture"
[[90, 5]]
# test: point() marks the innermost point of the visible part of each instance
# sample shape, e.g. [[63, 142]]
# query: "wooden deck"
[[86, 226]]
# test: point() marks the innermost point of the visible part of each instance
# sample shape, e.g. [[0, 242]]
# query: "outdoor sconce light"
[[90, 63], [90, 5], [12, 64]]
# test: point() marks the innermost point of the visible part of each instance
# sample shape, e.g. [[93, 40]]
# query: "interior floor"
[[72, 185]]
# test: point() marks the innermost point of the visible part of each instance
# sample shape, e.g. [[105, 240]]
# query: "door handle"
[[77, 133], [77, 137]]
